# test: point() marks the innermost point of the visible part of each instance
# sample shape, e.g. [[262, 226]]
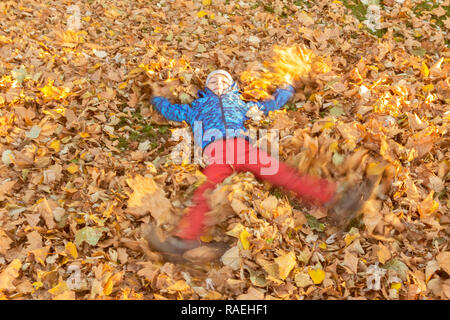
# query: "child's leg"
[[307, 187], [192, 224]]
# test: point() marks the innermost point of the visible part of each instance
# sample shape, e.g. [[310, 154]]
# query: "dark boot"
[[174, 248], [347, 204]]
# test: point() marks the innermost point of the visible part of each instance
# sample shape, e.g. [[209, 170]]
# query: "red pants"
[[237, 154]]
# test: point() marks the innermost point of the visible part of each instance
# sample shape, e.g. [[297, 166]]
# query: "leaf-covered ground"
[[85, 161]]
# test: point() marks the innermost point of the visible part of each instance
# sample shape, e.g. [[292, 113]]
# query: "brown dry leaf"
[[252, 294], [351, 262], [9, 274], [40, 254], [25, 287], [286, 263], [34, 241], [66, 295], [443, 260], [5, 188], [46, 213], [415, 123], [303, 280], [149, 271], [148, 197], [383, 253], [204, 254], [232, 258], [270, 267], [5, 242], [372, 215], [428, 206], [179, 286], [238, 206], [77, 98]]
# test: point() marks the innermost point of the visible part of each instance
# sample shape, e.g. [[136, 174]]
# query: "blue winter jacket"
[[215, 117]]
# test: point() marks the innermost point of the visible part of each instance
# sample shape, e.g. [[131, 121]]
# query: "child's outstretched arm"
[[173, 112], [280, 97]]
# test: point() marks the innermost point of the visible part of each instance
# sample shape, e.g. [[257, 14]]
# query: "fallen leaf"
[[5, 242], [231, 258], [147, 197], [286, 263], [443, 260], [90, 235], [180, 286], [398, 266], [302, 280], [383, 253], [351, 261], [317, 275], [9, 274], [252, 294], [47, 213], [72, 250], [243, 237]]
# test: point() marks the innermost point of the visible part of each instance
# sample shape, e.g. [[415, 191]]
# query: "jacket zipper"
[[223, 114]]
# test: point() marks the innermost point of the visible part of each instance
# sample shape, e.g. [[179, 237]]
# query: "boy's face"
[[218, 84]]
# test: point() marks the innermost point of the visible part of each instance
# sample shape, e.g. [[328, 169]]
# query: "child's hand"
[[164, 89]]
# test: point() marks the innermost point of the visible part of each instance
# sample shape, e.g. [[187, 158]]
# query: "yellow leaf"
[[180, 285], [9, 274], [72, 168], [327, 125], [236, 231], [428, 87], [201, 14], [59, 288], [72, 249], [123, 85], [108, 287], [84, 134], [244, 239], [317, 276], [424, 70], [55, 145], [428, 206], [37, 285], [375, 168], [206, 238], [107, 213], [206, 2], [350, 237], [323, 245], [286, 263], [83, 155], [396, 285], [334, 147]]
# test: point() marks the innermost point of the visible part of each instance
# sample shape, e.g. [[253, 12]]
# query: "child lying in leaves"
[[221, 110]]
